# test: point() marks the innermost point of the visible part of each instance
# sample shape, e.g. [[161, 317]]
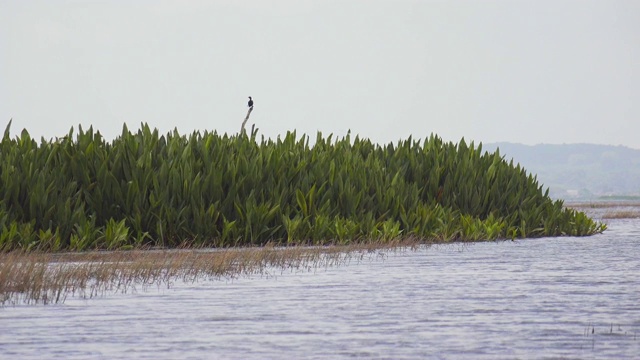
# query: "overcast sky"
[[519, 71]]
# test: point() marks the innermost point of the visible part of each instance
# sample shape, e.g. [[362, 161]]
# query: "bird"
[[250, 104]]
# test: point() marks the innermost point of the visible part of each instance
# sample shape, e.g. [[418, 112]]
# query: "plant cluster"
[[206, 189]]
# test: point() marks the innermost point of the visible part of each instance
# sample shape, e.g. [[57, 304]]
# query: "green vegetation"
[[205, 189]]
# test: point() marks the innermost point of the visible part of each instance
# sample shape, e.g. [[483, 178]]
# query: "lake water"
[[540, 298]]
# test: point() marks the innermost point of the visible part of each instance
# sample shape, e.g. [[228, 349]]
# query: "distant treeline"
[[586, 171], [143, 189]]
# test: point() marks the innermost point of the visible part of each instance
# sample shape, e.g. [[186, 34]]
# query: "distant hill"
[[583, 171]]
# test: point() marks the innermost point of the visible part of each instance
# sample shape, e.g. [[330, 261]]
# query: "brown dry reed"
[[48, 278], [622, 214], [612, 209], [602, 204]]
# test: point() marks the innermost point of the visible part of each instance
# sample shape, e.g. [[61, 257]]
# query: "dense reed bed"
[[143, 189], [52, 277]]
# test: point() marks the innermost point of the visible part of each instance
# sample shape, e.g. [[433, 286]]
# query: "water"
[[540, 298]]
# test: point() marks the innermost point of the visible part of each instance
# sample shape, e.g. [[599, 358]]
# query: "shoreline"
[[51, 277]]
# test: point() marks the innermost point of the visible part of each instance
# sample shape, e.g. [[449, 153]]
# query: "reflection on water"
[[559, 297]]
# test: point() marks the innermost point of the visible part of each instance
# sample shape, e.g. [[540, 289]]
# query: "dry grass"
[[609, 209], [622, 214], [602, 204], [51, 278]]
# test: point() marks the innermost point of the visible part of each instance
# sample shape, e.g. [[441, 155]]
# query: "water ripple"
[[541, 298]]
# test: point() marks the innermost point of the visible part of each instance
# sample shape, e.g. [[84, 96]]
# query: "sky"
[[524, 71]]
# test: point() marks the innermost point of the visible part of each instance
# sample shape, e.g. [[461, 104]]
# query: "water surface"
[[539, 298]]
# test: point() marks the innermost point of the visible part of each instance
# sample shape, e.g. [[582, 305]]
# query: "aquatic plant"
[[622, 214], [51, 277], [81, 192]]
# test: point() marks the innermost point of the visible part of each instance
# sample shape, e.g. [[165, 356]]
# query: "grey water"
[[527, 299]]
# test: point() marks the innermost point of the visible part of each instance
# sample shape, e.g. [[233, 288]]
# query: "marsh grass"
[[603, 204], [50, 278], [83, 193], [622, 214], [609, 209]]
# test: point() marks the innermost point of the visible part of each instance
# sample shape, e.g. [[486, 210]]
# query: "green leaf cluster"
[[81, 192]]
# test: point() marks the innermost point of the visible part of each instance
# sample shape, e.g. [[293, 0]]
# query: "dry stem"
[[50, 278]]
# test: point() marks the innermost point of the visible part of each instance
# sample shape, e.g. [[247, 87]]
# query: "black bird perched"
[[250, 104]]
